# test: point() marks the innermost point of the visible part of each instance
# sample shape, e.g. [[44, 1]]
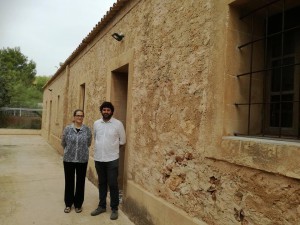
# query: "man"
[[109, 134]]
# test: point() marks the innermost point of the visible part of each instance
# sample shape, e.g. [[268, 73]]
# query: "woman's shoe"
[[67, 209], [78, 210]]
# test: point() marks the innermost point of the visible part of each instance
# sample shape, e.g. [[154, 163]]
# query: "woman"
[[76, 141]]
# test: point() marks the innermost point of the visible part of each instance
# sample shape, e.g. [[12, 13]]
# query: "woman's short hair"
[[78, 110]]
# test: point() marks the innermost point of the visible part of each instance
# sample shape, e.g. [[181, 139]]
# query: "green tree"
[[4, 95], [29, 96], [16, 67], [17, 75], [40, 81]]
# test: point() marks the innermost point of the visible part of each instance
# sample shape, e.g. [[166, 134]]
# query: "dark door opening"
[[119, 91]]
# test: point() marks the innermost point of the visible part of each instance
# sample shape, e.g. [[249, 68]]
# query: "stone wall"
[[176, 52]]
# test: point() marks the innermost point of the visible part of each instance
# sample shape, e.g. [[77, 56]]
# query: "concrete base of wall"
[[91, 173], [56, 144], [19, 132], [144, 208]]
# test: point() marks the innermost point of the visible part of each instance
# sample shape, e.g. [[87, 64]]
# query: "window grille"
[[273, 75]]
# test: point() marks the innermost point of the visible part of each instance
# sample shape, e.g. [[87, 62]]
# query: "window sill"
[[275, 156]]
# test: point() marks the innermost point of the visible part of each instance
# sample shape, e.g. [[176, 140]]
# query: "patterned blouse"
[[76, 143]]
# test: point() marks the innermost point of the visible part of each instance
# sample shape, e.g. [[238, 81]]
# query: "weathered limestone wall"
[[171, 86], [54, 107], [176, 174]]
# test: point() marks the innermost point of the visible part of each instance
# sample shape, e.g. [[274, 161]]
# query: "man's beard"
[[106, 116]]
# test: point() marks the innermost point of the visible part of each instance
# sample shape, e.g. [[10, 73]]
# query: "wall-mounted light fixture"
[[118, 36]]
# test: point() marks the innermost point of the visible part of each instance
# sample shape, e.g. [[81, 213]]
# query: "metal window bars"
[[266, 103]]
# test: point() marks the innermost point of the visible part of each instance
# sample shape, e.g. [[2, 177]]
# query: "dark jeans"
[[71, 169], [108, 177]]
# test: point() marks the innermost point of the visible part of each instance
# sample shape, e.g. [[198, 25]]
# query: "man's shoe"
[[98, 211], [114, 215]]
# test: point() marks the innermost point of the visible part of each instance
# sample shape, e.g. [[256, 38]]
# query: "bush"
[[17, 122]]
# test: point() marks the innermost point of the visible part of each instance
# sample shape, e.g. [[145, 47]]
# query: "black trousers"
[[74, 194], [108, 177]]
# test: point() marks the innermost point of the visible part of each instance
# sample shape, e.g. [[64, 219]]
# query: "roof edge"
[[109, 16]]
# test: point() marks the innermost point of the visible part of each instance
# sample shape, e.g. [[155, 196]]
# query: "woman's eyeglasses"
[[79, 116]]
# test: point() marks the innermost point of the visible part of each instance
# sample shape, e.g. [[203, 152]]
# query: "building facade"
[[208, 91]]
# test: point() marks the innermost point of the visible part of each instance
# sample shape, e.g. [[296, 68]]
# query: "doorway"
[[119, 92], [49, 120]]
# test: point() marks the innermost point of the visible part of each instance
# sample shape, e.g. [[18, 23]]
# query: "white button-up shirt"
[[108, 138]]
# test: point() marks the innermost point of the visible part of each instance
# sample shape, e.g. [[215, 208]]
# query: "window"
[[261, 96], [82, 96], [269, 81], [57, 109]]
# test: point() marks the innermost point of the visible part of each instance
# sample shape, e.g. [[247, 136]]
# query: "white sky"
[[48, 31]]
